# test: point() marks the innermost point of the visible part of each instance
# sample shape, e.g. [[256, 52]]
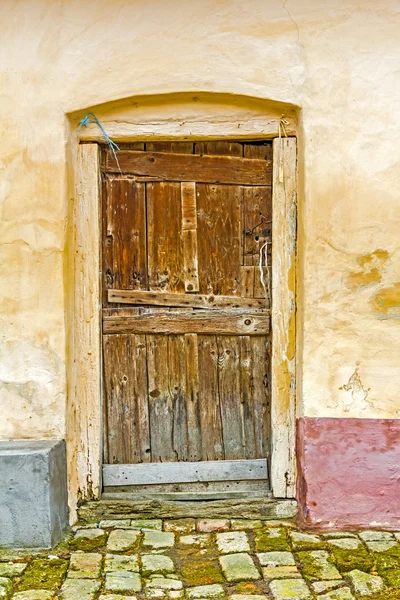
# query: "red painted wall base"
[[348, 473]]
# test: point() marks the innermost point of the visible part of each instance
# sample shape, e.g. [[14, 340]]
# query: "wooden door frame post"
[[84, 404]]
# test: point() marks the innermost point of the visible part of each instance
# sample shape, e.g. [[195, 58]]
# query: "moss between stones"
[[347, 560], [247, 588], [392, 578], [265, 542], [390, 559], [308, 566], [43, 574], [201, 573], [88, 544]]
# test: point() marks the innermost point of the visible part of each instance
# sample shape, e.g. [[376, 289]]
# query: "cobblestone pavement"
[[205, 559]]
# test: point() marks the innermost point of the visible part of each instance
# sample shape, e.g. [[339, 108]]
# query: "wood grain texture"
[[193, 407], [207, 127], [84, 336], [204, 360], [210, 415], [283, 408], [125, 379], [144, 298], [161, 415], [125, 234], [165, 251], [185, 167], [211, 322], [180, 472]]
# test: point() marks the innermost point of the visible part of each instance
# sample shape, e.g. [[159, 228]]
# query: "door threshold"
[[149, 508], [196, 496]]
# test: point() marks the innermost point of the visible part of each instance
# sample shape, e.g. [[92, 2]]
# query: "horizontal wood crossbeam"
[[191, 167], [204, 322], [144, 298], [185, 472]]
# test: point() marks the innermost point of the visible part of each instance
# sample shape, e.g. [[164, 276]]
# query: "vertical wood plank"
[[219, 239], [189, 235], [165, 251], [189, 206], [283, 411], [247, 396], [230, 396], [260, 365], [209, 401], [160, 402], [125, 379], [177, 392], [84, 348], [126, 233], [219, 148], [247, 286], [193, 407]]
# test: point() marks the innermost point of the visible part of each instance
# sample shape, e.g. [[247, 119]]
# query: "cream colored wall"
[[338, 61]]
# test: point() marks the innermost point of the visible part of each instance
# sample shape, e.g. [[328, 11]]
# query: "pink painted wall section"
[[348, 472]]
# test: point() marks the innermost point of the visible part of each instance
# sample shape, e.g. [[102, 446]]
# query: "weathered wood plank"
[[126, 234], [283, 408], [165, 251], [160, 402], [189, 206], [177, 391], [193, 407], [210, 414], [144, 298], [230, 396], [125, 379], [198, 487], [219, 239], [254, 508], [247, 397], [215, 322], [190, 496], [218, 148], [209, 127], [170, 146], [190, 261], [247, 287], [261, 395], [186, 167], [180, 472]]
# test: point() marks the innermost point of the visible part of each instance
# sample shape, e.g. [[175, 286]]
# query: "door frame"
[[84, 402]]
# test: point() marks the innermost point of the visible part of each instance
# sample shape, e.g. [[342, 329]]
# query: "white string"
[[266, 286]]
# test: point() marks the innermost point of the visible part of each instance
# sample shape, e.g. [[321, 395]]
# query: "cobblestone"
[[178, 559]]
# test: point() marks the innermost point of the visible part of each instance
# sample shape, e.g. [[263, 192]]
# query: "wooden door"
[[186, 298]]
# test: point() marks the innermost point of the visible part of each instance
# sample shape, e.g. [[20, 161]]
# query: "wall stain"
[[387, 301], [359, 394], [371, 265]]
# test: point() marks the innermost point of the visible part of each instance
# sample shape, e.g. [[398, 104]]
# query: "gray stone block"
[[33, 493]]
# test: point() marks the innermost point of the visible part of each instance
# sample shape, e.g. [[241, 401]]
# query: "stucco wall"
[[339, 62]]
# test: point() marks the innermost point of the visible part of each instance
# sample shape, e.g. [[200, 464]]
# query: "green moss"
[[347, 560], [43, 574], [309, 569], [271, 540], [247, 588], [201, 573], [390, 559], [88, 544], [392, 578]]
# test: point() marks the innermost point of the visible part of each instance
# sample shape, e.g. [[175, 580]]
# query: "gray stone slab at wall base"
[[33, 493]]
